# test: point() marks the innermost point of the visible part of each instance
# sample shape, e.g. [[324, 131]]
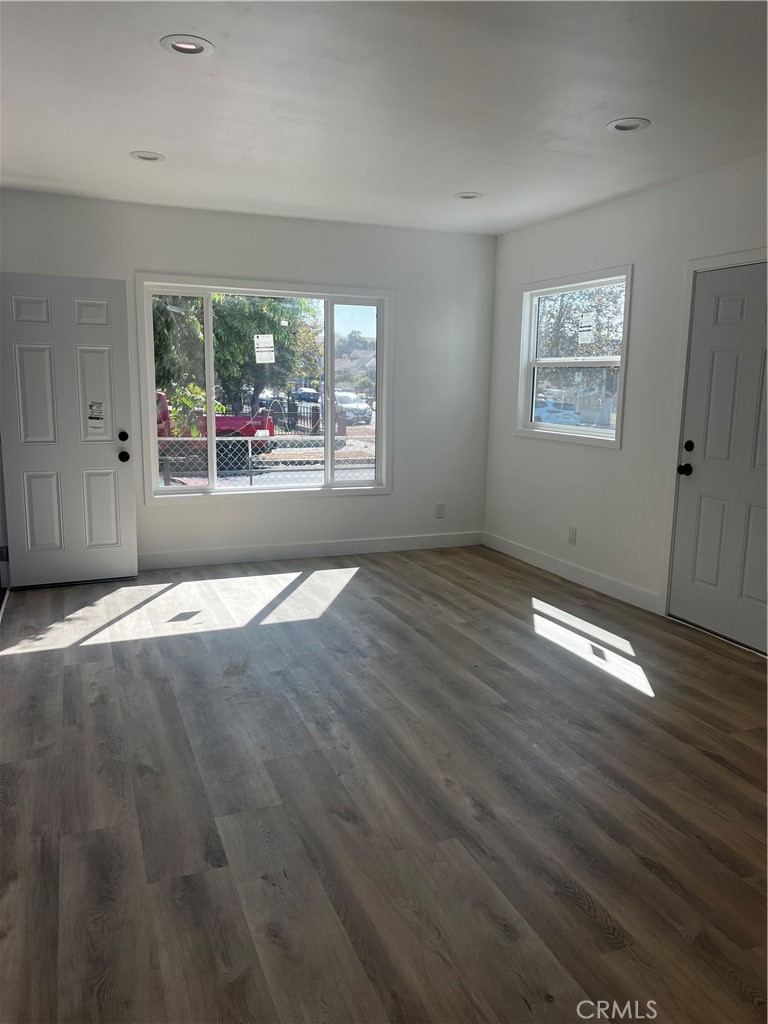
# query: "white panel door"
[[65, 427], [719, 561]]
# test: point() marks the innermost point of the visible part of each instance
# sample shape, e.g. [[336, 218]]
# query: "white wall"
[[4, 574], [444, 307], [621, 501]]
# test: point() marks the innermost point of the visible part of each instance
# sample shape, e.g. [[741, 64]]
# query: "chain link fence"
[[293, 457]]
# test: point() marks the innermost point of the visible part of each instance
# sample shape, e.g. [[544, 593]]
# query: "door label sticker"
[[95, 417]]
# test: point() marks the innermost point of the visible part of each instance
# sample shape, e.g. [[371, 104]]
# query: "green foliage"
[[558, 322], [559, 318], [178, 331], [185, 407], [295, 324], [353, 342], [365, 384]]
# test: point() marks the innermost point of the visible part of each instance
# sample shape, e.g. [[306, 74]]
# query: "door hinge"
[[3, 553]]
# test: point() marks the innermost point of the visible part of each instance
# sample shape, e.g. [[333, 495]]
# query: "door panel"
[[36, 394], [722, 398], [719, 560], [759, 447], [70, 500], [753, 582], [30, 309], [100, 504], [94, 388], [710, 532], [42, 511]]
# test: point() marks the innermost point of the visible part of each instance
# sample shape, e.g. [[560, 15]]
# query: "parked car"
[[548, 411], [306, 395], [355, 409]]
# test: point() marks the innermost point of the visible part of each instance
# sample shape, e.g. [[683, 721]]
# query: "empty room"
[[382, 512]]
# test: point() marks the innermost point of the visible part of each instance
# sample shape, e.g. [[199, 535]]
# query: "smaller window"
[[573, 349]]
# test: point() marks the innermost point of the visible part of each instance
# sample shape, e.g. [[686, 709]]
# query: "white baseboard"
[[266, 553], [647, 599]]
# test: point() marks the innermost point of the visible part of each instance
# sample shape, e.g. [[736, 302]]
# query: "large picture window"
[[256, 392], [573, 352]]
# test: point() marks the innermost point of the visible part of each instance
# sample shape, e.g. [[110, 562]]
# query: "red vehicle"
[[260, 425], [172, 450]]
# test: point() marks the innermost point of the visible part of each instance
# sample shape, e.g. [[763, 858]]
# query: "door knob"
[[685, 470], [124, 456], [123, 435], [689, 446]]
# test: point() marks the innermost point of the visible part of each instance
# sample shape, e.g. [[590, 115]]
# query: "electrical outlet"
[[440, 510], [571, 534]]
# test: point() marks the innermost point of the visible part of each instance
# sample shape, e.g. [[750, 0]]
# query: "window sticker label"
[[587, 329], [264, 347]]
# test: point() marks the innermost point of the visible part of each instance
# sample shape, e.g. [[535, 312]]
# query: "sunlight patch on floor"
[[602, 635], [193, 606], [312, 598], [75, 627], [229, 603], [598, 655]]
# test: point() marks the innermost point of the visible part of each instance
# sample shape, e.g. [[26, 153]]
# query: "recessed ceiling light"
[[467, 195], [191, 46], [628, 124], [146, 155]]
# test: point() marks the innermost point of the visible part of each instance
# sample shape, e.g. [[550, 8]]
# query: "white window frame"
[[149, 284], [529, 362]]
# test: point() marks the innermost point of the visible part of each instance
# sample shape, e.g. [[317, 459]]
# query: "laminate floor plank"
[[522, 860], [686, 779], [753, 738], [308, 959], [415, 955], [742, 691], [706, 775], [233, 737], [564, 835], [85, 609], [510, 969], [210, 969], [245, 787], [399, 813], [346, 854], [109, 969], [713, 891], [97, 790], [493, 589], [30, 815], [663, 640], [422, 786], [35, 622], [31, 704], [176, 823]]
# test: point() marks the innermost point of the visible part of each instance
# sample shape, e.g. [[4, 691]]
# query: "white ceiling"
[[378, 112]]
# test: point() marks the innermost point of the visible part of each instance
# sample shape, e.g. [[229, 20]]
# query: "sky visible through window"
[[356, 318]]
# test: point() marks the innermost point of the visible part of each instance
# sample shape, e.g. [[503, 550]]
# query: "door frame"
[[696, 266]]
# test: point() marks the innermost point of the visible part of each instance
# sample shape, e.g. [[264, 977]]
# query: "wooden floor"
[[431, 786]]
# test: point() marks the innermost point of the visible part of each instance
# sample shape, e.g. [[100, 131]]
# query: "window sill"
[[553, 434], [160, 497]]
